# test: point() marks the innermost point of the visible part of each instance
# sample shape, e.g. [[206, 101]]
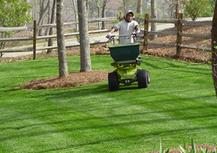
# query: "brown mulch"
[[186, 55], [72, 80]]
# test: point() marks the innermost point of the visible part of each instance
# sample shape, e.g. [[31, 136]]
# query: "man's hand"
[[134, 33], [109, 35]]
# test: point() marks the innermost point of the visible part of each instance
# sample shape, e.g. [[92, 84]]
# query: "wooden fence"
[[179, 23], [34, 38]]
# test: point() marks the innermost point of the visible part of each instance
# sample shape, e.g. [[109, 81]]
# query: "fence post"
[[34, 39], [146, 28], [179, 28]]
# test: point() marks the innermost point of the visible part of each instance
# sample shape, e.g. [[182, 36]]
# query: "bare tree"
[[52, 20], [48, 16], [153, 16], [63, 67], [43, 10], [125, 5], [214, 48], [73, 2], [84, 37], [101, 6], [175, 7], [139, 7], [103, 12], [87, 6], [98, 10]]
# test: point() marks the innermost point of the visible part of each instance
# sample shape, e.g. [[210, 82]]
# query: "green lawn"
[[179, 105]]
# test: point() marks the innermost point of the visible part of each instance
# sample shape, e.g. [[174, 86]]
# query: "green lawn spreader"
[[127, 67]]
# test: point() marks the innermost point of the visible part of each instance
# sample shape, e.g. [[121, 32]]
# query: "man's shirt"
[[126, 29]]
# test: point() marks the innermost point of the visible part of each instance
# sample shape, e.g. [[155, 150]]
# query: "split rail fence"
[[34, 38], [179, 23]]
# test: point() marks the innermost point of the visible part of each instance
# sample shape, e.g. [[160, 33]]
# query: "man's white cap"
[[128, 12]]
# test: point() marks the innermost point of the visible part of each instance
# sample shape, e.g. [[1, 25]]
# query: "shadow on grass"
[[83, 107], [102, 89], [178, 68], [115, 125], [110, 117], [124, 138], [138, 122], [139, 136]]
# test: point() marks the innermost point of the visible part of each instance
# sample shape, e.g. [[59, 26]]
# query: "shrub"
[[196, 8], [193, 148], [193, 8]]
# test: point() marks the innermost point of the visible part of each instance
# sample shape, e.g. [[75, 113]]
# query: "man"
[[126, 28]]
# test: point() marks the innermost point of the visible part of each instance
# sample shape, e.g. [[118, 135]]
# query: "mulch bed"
[[72, 80], [186, 54]]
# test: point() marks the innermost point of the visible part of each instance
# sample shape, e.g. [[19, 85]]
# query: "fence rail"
[[196, 47], [29, 49], [179, 23], [72, 34], [161, 44], [200, 36], [34, 38], [163, 21], [16, 39], [162, 32], [50, 36], [73, 23], [196, 23], [178, 32], [13, 29]]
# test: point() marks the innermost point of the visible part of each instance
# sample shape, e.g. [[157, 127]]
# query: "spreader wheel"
[[143, 78], [113, 81]]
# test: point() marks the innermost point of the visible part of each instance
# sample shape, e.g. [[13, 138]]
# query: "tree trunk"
[[48, 17], [63, 67], [98, 16], [103, 12], [75, 14], [42, 13], [125, 6], [34, 9], [84, 37], [139, 7], [177, 8], [2, 43], [87, 8], [98, 11], [214, 48], [153, 16], [50, 40]]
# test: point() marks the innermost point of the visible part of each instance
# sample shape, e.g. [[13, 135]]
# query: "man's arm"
[[137, 29], [114, 29]]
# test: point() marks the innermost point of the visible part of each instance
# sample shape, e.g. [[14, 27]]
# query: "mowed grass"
[[179, 105]]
